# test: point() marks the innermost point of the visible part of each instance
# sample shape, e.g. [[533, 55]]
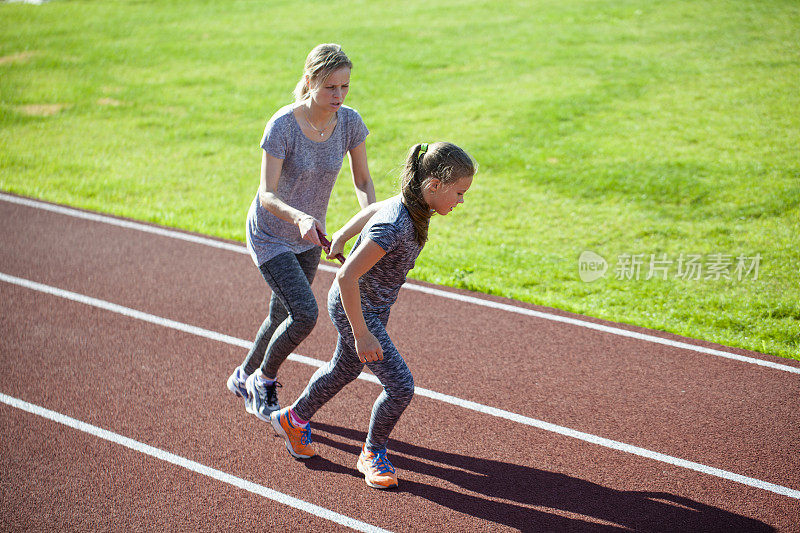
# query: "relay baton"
[[326, 245]]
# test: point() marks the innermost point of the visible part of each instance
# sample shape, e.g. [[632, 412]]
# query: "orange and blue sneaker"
[[378, 471], [298, 438]]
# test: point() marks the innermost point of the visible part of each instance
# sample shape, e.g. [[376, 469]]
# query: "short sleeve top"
[[307, 177], [392, 229]]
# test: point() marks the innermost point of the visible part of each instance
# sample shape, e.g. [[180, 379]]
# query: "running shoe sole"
[[240, 391], [234, 387]]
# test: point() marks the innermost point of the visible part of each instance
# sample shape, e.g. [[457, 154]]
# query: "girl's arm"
[[365, 189], [359, 262], [352, 228], [268, 198]]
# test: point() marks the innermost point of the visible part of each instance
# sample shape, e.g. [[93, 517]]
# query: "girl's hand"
[[310, 228], [337, 245], [368, 348]]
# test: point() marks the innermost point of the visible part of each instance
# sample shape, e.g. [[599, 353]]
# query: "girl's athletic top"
[[390, 228]]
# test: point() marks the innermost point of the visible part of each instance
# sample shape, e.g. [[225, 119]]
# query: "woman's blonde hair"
[[442, 160], [321, 62]]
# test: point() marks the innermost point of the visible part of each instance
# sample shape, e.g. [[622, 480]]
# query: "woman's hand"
[[368, 348], [310, 228]]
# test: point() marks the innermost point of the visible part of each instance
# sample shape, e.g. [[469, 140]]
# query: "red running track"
[[113, 420]]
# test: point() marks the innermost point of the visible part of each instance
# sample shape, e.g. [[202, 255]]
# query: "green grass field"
[[632, 129]]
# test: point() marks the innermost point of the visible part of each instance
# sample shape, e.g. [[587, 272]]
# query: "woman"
[[304, 145]]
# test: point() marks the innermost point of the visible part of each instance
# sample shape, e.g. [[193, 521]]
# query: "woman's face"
[[330, 95]]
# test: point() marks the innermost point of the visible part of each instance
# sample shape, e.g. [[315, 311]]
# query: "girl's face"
[[444, 198], [330, 95]]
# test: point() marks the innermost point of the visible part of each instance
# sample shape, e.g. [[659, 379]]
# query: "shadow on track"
[[503, 492]]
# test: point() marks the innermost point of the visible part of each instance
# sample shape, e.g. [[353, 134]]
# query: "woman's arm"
[[365, 189], [358, 264], [268, 198]]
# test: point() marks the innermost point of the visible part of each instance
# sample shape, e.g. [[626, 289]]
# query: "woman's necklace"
[[325, 127]]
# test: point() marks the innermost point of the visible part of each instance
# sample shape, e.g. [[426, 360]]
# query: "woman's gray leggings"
[[292, 310], [344, 367]]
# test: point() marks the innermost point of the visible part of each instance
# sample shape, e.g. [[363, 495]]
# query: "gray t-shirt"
[[392, 229], [307, 177]]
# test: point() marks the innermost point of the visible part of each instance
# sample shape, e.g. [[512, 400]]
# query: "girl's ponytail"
[[413, 180]]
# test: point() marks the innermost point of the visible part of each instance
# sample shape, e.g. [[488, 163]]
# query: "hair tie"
[[422, 149]]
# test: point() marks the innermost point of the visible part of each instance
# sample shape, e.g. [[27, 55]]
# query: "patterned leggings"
[[292, 310], [344, 367]]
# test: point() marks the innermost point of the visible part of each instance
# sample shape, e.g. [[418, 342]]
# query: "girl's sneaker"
[[236, 384], [263, 398], [298, 438], [378, 471]]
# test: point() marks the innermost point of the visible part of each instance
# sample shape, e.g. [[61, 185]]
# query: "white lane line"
[[241, 249], [466, 404], [173, 234], [188, 464], [606, 329]]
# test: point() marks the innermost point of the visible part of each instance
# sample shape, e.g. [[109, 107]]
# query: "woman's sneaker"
[[236, 384], [298, 438], [378, 471], [263, 398]]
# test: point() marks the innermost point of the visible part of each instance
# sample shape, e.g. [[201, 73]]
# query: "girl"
[[392, 234], [304, 145]]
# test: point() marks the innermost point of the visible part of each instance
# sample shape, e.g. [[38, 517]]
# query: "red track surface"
[[460, 470]]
